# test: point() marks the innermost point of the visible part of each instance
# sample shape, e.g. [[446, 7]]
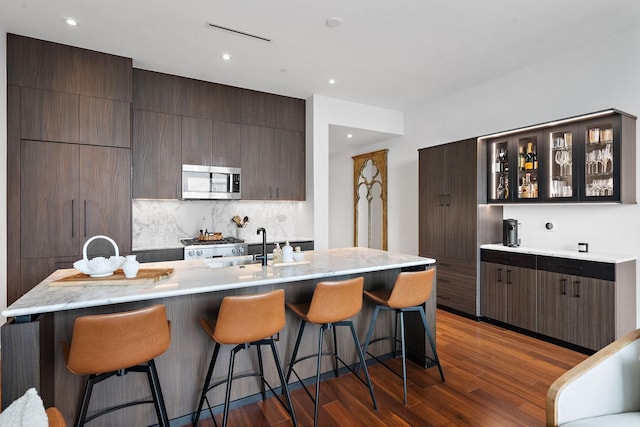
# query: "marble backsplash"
[[158, 224]]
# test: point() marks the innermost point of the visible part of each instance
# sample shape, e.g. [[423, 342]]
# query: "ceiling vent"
[[237, 32]]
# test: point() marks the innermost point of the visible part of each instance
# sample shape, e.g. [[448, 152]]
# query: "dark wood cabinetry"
[[67, 182], [451, 223], [104, 122], [585, 303], [224, 126], [211, 142], [289, 164], [589, 158], [156, 155], [68, 110], [51, 66], [509, 291], [576, 309]]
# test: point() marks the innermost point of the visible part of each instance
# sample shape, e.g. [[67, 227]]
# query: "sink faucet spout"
[[263, 256]]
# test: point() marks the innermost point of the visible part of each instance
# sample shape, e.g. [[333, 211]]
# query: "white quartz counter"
[[562, 253], [192, 277]]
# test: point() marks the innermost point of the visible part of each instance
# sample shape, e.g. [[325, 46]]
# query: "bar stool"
[[331, 305], [245, 321], [105, 345], [409, 293]]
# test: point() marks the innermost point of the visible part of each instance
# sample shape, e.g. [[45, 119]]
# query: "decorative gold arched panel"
[[370, 200]]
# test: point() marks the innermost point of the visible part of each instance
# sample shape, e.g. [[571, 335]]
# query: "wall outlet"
[[549, 226]]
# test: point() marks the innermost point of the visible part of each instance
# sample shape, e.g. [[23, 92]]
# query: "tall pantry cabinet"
[[69, 161], [452, 224]]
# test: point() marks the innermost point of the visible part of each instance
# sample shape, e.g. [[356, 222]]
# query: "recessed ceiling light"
[[71, 22], [349, 135], [332, 81], [226, 56], [333, 22]]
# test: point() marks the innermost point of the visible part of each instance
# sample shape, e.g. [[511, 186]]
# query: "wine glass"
[[558, 160], [566, 161]]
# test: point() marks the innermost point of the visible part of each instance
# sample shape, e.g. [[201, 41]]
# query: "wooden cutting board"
[[145, 276]]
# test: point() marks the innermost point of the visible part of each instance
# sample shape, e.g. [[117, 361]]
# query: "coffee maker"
[[510, 232]]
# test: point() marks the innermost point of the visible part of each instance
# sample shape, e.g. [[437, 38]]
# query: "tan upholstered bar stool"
[[409, 293], [331, 305], [105, 345], [245, 321]]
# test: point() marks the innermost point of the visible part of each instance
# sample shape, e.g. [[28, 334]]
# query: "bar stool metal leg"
[[363, 364], [205, 387], [431, 342]]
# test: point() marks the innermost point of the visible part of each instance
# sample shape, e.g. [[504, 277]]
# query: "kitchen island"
[[31, 354]]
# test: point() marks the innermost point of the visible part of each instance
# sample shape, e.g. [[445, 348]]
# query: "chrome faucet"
[[263, 256]]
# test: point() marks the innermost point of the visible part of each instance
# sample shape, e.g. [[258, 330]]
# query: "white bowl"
[[298, 256], [99, 266]]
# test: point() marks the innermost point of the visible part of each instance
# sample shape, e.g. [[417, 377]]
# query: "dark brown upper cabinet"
[[157, 156], [589, 158], [51, 66], [289, 165], [258, 163], [104, 122], [197, 136], [48, 116]]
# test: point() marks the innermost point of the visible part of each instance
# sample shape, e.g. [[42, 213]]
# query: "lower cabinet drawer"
[[456, 285]]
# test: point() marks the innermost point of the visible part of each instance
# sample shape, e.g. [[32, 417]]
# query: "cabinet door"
[[105, 194], [592, 312], [521, 297], [48, 116], [289, 169], [554, 305], [156, 155], [227, 144], [493, 291], [560, 157], [197, 137], [49, 204], [258, 175], [104, 122], [601, 159], [431, 213], [460, 200]]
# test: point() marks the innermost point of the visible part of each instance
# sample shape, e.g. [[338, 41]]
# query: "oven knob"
[[241, 250], [190, 253], [198, 252]]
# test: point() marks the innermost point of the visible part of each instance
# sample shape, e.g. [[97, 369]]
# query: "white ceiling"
[[391, 54]]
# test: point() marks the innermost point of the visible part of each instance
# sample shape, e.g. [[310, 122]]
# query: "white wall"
[[595, 77], [322, 112], [3, 172]]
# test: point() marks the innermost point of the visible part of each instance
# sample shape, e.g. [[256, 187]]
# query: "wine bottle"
[[535, 158], [521, 158], [528, 159]]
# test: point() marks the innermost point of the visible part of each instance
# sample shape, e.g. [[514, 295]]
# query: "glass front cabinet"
[[590, 158]]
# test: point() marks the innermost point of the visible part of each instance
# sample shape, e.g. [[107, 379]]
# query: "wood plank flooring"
[[494, 377]]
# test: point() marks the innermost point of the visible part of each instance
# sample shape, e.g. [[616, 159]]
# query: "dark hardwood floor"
[[494, 377]]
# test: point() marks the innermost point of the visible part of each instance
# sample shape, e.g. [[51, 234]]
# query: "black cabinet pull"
[[444, 281], [506, 259], [509, 277], [440, 197], [445, 264], [564, 286], [499, 275], [576, 288], [73, 234], [448, 198]]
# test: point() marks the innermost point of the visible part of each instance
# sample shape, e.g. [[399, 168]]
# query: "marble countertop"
[[195, 276], [562, 253]]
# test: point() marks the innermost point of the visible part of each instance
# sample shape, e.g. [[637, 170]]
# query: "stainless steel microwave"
[[210, 182]]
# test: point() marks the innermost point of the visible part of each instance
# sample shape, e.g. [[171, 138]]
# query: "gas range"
[[202, 249]]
